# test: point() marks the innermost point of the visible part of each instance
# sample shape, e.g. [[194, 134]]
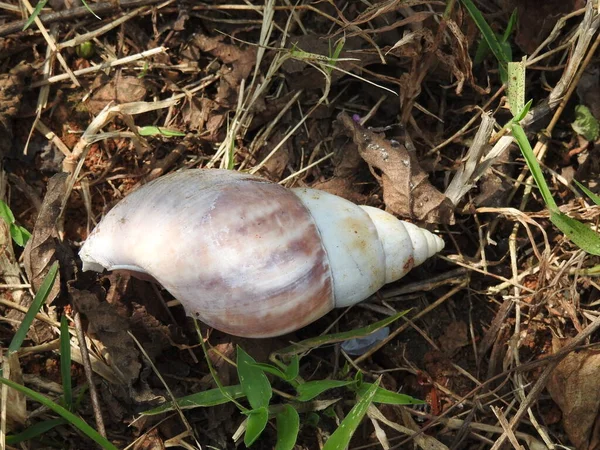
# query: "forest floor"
[[395, 104]]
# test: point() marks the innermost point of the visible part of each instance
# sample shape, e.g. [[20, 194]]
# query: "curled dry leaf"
[[407, 191], [45, 245], [574, 386]]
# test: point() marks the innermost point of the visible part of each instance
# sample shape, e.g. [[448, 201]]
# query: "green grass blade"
[[36, 12], [595, 198], [512, 23], [534, 166], [254, 382], [90, 9], [71, 418], [582, 235], [288, 425], [212, 397], [34, 431], [311, 389], [308, 344], [153, 131], [257, 421], [65, 362], [40, 297], [487, 33], [341, 437], [389, 397], [6, 213]]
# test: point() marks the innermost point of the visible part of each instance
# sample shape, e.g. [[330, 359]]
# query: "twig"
[[89, 374]]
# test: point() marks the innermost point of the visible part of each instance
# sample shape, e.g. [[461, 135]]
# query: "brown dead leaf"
[[11, 87], [574, 386], [407, 191], [109, 331], [455, 337], [119, 90], [45, 246], [238, 64]]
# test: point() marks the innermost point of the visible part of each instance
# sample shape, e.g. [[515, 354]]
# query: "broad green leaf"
[[65, 362], [34, 431], [308, 344], [71, 418], [153, 131], [212, 397], [36, 12], [256, 423], [585, 123], [254, 382], [516, 86], [389, 397], [534, 166], [40, 297], [311, 389], [293, 370], [6, 213], [341, 437], [595, 198], [288, 425], [582, 235], [19, 234]]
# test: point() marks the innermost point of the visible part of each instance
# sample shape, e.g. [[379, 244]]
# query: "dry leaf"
[[407, 191], [574, 386], [11, 88], [109, 331], [455, 337], [118, 90], [16, 407]]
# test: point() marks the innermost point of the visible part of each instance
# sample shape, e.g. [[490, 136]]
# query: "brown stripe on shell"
[[256, 266]]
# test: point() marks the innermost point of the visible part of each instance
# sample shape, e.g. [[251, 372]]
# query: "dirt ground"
[[394, 104]]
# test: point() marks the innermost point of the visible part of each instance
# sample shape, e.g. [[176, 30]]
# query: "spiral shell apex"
[[250, 257]]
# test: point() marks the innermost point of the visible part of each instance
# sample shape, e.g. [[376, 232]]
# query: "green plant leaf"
[[293, 369], [389, 397], [40, 297], [582, 235], [318, 341], [288, 425], [516, 87], [585, 123], [257, 421], [311, 389], [65, 362], [71, 418], [212, 397], [6, 213], [254, 382], [153, 131], [534, 166], [36, 12], [595, 198], [34, 431], [19, 234], [90, 9], [341, 437]]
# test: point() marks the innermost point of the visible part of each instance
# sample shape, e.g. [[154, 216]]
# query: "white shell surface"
[[350, 238], [241, 254]]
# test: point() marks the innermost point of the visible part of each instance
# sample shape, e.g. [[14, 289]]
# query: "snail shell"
[[250, 257]]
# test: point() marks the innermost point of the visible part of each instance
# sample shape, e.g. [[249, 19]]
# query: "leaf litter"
[[400, 129]]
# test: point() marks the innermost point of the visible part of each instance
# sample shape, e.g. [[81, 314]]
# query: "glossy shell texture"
[[250, 257]]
